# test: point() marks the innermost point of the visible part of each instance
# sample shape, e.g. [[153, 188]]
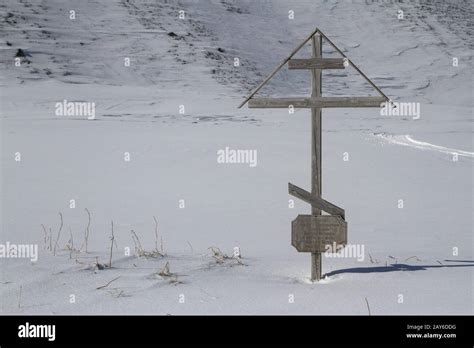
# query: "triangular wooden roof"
[[279, 66]]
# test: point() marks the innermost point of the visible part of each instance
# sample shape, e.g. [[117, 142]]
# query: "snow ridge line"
[[407, 140]]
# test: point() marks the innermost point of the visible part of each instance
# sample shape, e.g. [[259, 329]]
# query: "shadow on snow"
[[397, 267]]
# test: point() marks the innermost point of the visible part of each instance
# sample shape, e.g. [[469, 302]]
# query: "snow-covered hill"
[[173, 173]]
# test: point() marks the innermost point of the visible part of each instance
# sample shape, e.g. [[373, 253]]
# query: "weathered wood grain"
[[313, 234], [317, 102], [315, 201], [316, 147], [316, 63]]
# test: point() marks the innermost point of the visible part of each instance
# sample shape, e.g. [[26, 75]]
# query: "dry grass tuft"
[[221, 258], [141, 252]]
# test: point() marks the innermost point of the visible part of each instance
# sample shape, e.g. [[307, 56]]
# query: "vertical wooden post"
[[316, 147]]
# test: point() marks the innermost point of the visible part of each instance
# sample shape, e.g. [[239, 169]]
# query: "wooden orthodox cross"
[[312, 233]]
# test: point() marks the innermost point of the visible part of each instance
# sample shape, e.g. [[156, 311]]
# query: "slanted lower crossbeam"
[[315, 201]]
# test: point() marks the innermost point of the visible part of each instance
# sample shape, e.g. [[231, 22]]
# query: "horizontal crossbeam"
[[316, 202], [316, 63], [318, 102]]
